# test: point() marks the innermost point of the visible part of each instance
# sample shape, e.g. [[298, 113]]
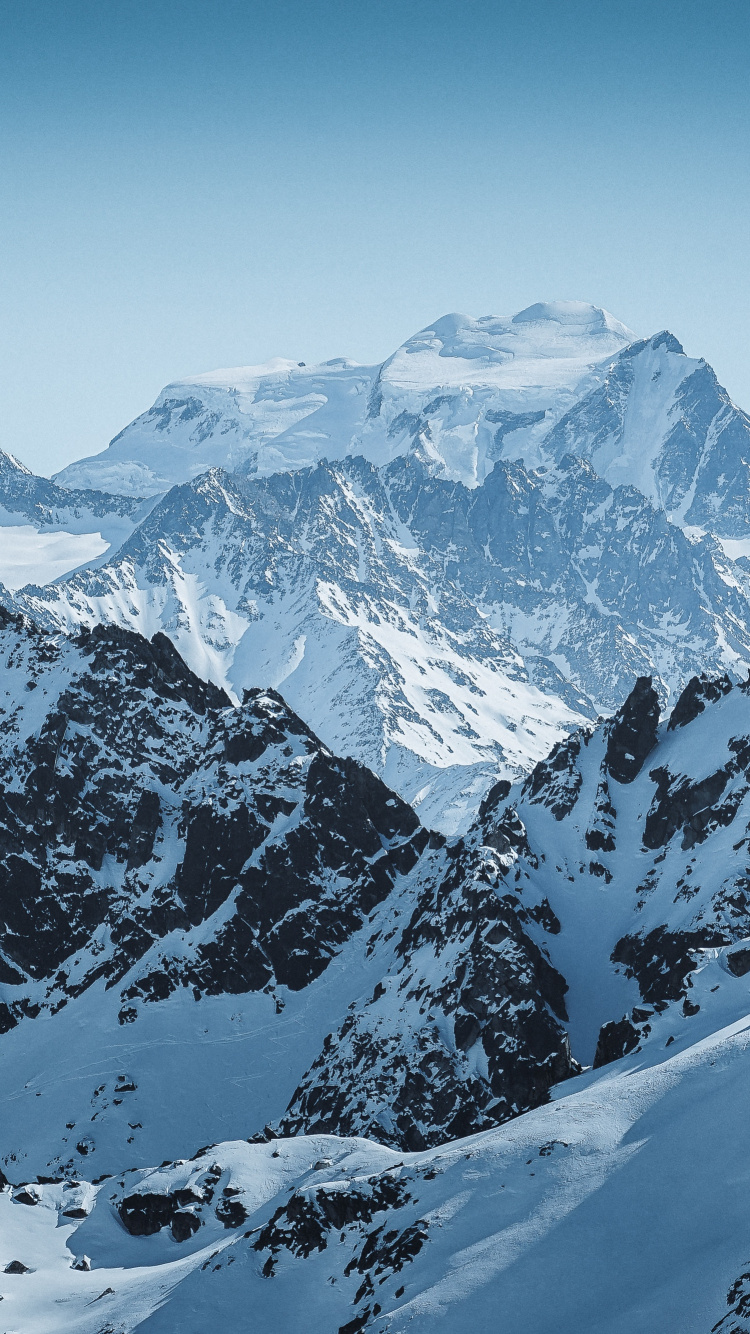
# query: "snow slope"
[[620, 1208], [28, 556]]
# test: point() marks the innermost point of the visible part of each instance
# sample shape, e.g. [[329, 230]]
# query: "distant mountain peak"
[[10, 464], [282, 415]]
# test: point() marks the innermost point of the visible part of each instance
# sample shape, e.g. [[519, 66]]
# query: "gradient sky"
[[186, 185]]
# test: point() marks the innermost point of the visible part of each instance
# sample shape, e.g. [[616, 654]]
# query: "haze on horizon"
[[195, 185]]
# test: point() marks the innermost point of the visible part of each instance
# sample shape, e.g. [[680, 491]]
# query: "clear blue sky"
[[186, 185]]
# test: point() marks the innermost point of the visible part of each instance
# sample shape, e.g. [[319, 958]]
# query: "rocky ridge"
[[442, 635], [169, 858], [369, 1009]]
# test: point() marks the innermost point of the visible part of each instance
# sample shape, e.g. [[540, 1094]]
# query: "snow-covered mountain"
[[313, 582], [429, 606], [210, 922], [558, 378], [195, 896], [395, 1078], [442, 635], [637, 832], [458, 389], [660, 421], [621, 1208]]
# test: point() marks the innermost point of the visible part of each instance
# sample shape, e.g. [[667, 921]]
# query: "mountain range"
[[438, 583], [374, 811]]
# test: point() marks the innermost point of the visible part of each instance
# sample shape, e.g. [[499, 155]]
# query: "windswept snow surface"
[[620, 1208]]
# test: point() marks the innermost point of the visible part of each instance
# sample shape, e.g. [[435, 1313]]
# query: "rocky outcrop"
[[632, 732], [699, 691], [389, 1071], [158, 840]]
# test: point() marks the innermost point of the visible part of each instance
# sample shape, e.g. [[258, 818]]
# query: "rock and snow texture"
[[559, 378], [484, 560], [637, 841], [439, 1077], [313, 583], [660, 421], [215, 930], [199, 892], [440, 634], [47, 530]]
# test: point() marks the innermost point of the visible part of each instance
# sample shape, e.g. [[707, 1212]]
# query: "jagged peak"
[[668, 341], [633, 732], [10, 464]]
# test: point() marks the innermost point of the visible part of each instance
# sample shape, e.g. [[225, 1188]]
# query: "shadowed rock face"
[[633, 731], [120, 764], [635, 834], [158, 841], [616, 1039], [394, 1078], [699, 691]]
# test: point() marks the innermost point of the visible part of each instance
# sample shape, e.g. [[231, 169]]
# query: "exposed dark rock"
[[556, 781], [738, 961], [497, 794], [699, 691], [232, 1213], [661, 961], [26, 1196], [680, 804], [632, 732], [184, 1224], [303, 1224], [143, 1215], [616, 1038], [146, 823], [500, 990]]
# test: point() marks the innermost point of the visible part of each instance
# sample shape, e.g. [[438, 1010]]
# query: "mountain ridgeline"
[[375, 849]]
